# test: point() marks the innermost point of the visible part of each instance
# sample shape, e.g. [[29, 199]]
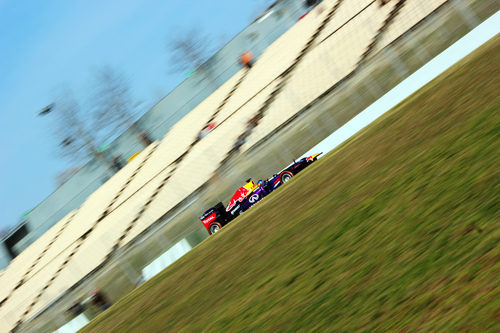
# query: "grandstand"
[[323, 49], [84, 180]]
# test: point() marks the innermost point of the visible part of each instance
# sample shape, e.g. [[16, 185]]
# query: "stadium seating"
[[122, 184], [98, 244], [412, 12], [88, 215], [15, 309], [346, 11], [47, 287], [276, 59], [322, 67], [47, 254], [130, 214], [180, 137], [28, 262], [159, 167]]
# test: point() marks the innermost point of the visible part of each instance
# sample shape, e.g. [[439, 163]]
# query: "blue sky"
[[47, 44]]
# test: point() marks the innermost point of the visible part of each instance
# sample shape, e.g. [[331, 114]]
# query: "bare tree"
[[190, 50], [72, 129], [260, 8], [110, 103], [81, 132], [113, 107]]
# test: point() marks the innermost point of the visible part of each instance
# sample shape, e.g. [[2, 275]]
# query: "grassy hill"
[[396, 230]]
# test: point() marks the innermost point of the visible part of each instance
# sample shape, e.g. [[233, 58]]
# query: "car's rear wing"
[[215, 209]]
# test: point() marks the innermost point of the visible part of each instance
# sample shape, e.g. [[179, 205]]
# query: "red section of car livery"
[[240, 194], [209, 219]]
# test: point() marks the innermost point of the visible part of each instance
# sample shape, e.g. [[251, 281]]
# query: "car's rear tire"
[[214, 227], [286, 176]]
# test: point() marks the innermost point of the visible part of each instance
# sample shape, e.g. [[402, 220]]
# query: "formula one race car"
[[249, 194], [244, 198], [287, 173]]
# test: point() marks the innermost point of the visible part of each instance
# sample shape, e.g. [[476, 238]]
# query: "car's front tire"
[[286, 176], [214, 227]]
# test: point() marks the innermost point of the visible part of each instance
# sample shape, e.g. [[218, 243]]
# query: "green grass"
[[396, 230]]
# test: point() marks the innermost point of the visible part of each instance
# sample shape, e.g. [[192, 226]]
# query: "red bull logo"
[[312, 158], [239, 195]]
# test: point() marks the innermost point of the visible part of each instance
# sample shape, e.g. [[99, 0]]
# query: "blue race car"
[[249, 194], [289, 172]]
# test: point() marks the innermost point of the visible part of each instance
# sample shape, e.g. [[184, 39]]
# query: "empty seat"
[[14, 309], [50, 251], [95, 205], [124, 188], [23, 263], [347, 10], [412, 12], [107, 234], [44, 278]]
